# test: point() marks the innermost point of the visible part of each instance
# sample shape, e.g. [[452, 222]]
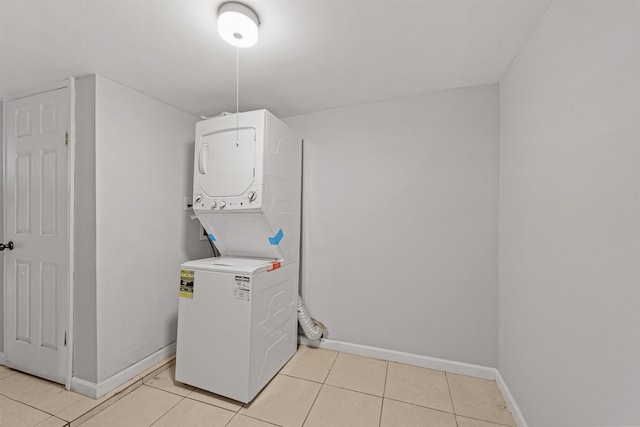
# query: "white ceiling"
[[312, 54]]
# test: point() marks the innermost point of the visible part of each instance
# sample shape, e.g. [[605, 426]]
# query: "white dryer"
[[247, 184]]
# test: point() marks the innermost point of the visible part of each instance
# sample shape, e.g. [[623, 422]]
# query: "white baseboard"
[[451, 366], [97, 390], [510, 401], [406, 358]]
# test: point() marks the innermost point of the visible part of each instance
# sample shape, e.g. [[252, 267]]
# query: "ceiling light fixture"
[[238, 24]]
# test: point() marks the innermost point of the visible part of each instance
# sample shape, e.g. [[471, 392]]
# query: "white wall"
[[143, 169], [2, 231], [569, 218], [400, 223], [85, 330]]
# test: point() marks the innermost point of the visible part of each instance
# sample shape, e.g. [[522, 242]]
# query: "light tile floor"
[[317, 388]]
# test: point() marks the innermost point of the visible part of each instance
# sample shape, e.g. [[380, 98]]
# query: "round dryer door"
[[226, 162]]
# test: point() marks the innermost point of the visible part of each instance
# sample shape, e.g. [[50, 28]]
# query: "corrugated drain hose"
[[312, 328]]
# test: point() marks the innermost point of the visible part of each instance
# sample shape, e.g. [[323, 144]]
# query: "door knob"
[[7, 246]]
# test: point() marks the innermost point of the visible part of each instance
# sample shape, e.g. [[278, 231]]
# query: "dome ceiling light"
[[238, 24]]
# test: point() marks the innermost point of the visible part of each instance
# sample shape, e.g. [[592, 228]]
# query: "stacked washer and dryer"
[[237, 313]]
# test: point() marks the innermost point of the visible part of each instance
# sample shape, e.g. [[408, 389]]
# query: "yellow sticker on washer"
[[186, 283]]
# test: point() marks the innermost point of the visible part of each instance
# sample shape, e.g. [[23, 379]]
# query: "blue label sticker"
[[213, 239], [276, 239]]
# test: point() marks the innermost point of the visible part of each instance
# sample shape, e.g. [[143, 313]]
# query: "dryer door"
[[225, 162]]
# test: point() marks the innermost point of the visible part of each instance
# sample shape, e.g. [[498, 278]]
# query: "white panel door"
[[36, 220]]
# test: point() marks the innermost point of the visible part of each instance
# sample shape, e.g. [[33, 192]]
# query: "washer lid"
[[232, 265]]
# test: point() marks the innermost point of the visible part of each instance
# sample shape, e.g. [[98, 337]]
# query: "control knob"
[[213, 204], [252, 196], [222, 204]]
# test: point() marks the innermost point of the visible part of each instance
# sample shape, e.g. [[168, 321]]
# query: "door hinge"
[[65, 338], [66, 141]]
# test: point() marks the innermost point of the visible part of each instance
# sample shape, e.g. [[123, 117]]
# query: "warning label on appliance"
[[242, 289], [186, 283]]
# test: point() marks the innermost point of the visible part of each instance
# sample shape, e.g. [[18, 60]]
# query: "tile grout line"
[[321, 387], [455, 419], [423, 407], [332, 365], [484, 421], [168, 391], [312, 405], [456, 414], [481, 419], [356, 391], [229, 422], [384, 392], [453, 406], [253, 418], [350, 389], [300, 378], [108, 402], [37, 409], [156, 371], [29, 406], [235, 411], [167, 411], [186, 396]]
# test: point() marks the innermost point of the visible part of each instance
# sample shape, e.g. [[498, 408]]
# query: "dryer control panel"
[[250, 200]]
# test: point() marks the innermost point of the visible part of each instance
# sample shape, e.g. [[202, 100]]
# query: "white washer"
[[237, 324]]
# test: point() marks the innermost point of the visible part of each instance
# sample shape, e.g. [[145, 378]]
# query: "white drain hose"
[[312, 328]]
